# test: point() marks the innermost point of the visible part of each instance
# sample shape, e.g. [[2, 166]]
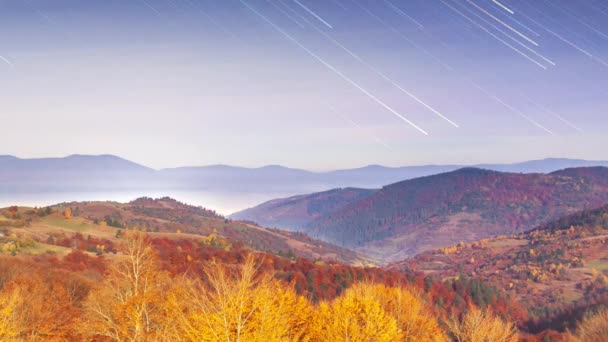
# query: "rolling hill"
[[406, 218], [166, 217]]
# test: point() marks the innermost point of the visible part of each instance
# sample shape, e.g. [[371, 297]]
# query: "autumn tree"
[[356, 316], [67, 214], [129, 304], [482, 326], [9, 324], [48, 309], [413, 317], [13, 212], [43, 302], [593, 328], [240, 305]]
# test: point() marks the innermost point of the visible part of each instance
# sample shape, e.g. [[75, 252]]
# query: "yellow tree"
[[482, 326], [67, 214], [356, 316], [240, 305], [9, 324], [413, 317], [593, 328], [128, 306]]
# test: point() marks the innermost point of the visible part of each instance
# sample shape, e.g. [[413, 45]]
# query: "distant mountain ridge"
[[73, 172], [76, 162]]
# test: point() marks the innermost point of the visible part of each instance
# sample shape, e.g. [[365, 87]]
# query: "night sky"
[[315, 84]]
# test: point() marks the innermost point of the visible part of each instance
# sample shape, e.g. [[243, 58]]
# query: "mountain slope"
[[295, 212], [408, 217], [558, 269]]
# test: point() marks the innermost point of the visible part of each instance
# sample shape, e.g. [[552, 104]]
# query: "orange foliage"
[[215, 295], [67, 214]]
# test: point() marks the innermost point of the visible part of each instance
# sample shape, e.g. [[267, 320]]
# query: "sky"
[[314, 84]]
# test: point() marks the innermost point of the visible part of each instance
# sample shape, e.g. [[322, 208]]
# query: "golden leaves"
[[355, 317], [374, 312], [593, 328], [482, 326], [9, 303], [238, 303]]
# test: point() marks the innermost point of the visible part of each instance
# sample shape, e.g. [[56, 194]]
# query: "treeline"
[[170, 209], [316, 280], [322, 280], [585, 218]]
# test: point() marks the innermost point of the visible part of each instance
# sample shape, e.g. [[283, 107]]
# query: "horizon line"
[[479, 164]]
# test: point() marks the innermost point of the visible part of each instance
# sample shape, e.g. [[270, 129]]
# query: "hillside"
[[559, 269], [79, 241], [296, 212], [59, 267], [406, 218], [165, 217], [72, 294]]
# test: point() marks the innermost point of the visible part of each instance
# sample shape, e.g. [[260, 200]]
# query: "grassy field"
[[598, 264], [571, 294], [507, 243], [74, 224], [41, 248]]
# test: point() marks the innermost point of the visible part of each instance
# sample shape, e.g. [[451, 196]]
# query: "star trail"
[[466, 77]]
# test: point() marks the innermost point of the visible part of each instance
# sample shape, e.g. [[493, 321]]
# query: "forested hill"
[[408, 217], [296, 212], [560, 269]]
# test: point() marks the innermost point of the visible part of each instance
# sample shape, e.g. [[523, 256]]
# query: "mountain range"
[[405, 218], [424, 207], [111, 173]]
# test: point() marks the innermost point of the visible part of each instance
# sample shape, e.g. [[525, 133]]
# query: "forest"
[[165, 290]]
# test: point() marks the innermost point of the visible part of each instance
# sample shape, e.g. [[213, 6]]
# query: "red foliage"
[[326, 280], [90, 244]]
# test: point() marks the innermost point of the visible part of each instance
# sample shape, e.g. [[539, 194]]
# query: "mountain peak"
[[94, 156], [473, 170], [588, 171], [274, 166]]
